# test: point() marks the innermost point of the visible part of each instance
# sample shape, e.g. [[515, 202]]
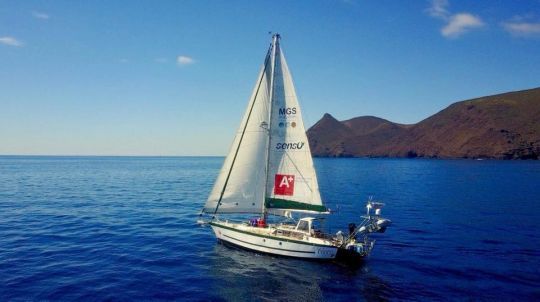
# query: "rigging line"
[[308, 152], [243, 131], [275, 49], [307, 141], [297, 169]]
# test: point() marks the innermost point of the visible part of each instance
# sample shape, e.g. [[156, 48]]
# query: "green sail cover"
[[278, 203]]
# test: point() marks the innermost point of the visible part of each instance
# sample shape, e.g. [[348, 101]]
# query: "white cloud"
[[40, 15], [517, 28], [460, 23], [438, 9], [10, 41], [184, 60], [123, 60], [456, 24]]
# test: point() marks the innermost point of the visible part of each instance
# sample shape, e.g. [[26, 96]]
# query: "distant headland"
[[503, 126]]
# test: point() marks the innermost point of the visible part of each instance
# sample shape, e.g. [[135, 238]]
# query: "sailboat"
[[269, 171]]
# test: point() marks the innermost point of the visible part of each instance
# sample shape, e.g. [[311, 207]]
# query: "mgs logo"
[[284, 184], [287, 111]]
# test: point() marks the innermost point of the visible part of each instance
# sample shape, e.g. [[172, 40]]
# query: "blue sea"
[[124, 229]]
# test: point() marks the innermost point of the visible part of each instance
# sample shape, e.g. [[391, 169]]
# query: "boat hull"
[[271, 244]]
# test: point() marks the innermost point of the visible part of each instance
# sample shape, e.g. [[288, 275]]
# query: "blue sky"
[[174, 77]]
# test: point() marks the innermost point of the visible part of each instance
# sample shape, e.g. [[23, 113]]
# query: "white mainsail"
[[269, 167], [239, 186], [292, 180]]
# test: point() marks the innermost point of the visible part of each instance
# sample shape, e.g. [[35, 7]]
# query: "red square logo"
[[284, 184]]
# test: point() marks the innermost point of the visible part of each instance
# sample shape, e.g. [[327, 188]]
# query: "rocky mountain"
[[503, 126]]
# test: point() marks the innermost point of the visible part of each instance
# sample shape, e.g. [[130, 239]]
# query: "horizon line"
[[102, 155]]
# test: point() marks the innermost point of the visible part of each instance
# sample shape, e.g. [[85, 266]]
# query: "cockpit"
[[308, 225]]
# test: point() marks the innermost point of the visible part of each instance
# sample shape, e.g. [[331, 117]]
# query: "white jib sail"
[[292, 180], [241, 181]]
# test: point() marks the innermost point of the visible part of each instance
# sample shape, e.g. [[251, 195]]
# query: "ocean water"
[[124, 229]]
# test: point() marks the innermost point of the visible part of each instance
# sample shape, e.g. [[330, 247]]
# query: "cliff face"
[[504, 126]]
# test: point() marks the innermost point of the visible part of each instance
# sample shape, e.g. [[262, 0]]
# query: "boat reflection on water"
[[244, 275]]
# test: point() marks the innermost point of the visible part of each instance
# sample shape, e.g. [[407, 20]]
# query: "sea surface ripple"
[[124, 229]]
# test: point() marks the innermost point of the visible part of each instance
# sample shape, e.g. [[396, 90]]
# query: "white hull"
[[262, 240]]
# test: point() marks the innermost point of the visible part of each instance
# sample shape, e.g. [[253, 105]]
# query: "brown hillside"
[[328, 143], [504, 126]]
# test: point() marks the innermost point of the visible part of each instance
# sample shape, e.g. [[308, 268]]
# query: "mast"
[[269, 168], [275, 47]]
